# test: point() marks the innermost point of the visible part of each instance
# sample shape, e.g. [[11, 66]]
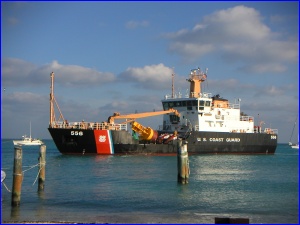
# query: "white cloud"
[[239, 22], [24, 98], [152, 77], [18, 104], [191, 49], [177, 34], [270, 91], [16, 72], [264, 68], [15, 67], [238, 35], [74, 75]]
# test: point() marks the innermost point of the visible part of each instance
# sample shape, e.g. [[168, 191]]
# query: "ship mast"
[[52, 120], [52, 116], [196, 78], [173, 85], [290, 142], [30, 130]]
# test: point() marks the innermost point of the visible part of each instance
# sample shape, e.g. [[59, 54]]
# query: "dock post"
[[17, 177], [182, 162], [42, 170]]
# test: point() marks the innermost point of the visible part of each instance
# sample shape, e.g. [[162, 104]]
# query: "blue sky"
[[119, 56]]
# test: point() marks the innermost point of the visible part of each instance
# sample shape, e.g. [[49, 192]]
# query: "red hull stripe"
[[103, 141]]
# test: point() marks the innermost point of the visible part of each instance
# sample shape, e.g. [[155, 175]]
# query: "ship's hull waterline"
[[84, 141]]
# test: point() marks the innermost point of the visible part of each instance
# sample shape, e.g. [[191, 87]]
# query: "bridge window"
[[165, 105], [178, 104], [201, 105], [174, 119], [190, 104], [171, 104], [207, 103]]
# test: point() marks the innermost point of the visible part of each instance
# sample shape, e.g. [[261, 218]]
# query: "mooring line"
[[30, 168], [6, 186], [37, 175]]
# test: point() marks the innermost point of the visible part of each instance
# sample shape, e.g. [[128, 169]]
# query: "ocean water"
[[144, 189]]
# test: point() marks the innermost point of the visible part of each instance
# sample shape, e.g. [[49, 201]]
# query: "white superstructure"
[[200, 111]]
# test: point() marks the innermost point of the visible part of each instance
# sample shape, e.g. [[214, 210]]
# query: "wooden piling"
[[42, 170], [182, 162], [17, 177]]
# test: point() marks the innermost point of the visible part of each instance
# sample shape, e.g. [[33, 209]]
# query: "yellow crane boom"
[[134, 116]]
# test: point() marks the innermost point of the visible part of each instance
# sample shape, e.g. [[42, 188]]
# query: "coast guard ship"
[[209, 123]]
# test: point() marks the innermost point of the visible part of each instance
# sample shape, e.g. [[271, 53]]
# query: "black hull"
[[82, 141]]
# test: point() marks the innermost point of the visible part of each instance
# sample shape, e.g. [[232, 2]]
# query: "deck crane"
[[134, 116], [146, 133]]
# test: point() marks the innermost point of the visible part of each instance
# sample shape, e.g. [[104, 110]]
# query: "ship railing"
[[201, 95], [234, 106], [243, 130], [89, 125], [226, 117], [233, 130], [247, 118], [175, 96], [194, 95], [270, 131], [109, 126], [206, 95], [198, 75]]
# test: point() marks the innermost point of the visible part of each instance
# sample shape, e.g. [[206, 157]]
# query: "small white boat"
[[3, 175], [28, 140], [295, 146]]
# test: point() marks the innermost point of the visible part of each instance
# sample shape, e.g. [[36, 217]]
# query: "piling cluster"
[[18, 173]]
